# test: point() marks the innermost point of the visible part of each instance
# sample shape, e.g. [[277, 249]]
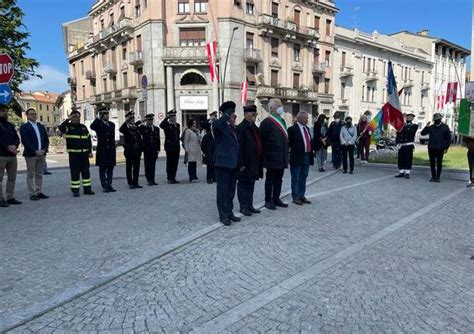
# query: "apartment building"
[[45, 105]]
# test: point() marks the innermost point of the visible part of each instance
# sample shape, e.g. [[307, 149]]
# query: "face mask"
[[336, 120], [437, 122], [348, 124], [280, 110]]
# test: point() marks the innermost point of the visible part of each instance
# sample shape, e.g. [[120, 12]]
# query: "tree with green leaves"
[[14, 41]]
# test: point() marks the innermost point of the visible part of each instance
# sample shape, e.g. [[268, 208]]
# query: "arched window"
[[192, 77], [122, 11]]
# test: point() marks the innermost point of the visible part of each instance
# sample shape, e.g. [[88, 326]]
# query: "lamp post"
[[225, 64]]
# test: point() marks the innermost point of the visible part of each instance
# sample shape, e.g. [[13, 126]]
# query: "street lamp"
[[225, 64]]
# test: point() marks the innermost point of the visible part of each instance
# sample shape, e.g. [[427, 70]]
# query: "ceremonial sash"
[[280, 125]]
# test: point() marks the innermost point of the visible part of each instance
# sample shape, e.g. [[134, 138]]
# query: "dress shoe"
[[321, 170], [106, 190], [305, 200], [34, 198], [76, 195], [351, 172], [112, 190], [47, 173], [270, 206], [432, 180], [253, 210], [470, 185], [173, 182], [344, 172], [233, 218], [151, 184], [226, 222], [438, 180], [42, 196], [89, 192], [280, 204], [13, 201], [132, 186], [245, 212], [3, 204], [400, 175], [297, 201], [407, 176], [138, 186]]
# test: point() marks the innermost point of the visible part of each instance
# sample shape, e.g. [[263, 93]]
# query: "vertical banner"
[[211, 49], [244, 87]]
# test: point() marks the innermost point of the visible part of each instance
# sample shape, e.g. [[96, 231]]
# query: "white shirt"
[[303, 129], [38, 135]]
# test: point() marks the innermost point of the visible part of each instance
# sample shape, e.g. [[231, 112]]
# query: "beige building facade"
[[284, 48], [45, 105]]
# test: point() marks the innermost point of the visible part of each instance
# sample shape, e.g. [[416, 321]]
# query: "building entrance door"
[[199, 115]]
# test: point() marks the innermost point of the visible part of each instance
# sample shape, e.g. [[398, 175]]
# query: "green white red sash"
[[280, 124]]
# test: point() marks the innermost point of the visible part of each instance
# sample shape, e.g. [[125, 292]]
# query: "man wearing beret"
[[151, 147], [406, 142], [172, 131], [106, 156], [250, 167], [133, 146], [226, 161]]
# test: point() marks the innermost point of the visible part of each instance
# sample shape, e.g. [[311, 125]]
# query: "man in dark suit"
[[274, 135], [132, 150], [226, 159], [172, 132], [36, 142], [250, 168], [151, 147], [106, 156], [301, 157]]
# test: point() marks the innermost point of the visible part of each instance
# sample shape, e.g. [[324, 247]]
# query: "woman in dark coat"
[[320, 141], [106, 154], [207, 148]]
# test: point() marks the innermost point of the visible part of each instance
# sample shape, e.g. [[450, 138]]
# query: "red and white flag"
[[440, 102], [244, 88], [211, 49], [452, 92]]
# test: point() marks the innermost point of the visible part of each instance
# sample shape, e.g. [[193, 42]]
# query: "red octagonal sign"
[[6, 68]]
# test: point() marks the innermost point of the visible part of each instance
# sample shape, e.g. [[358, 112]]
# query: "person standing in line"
[[334, 135], [226, 162], [106, 156], [172, 132], [438, 145], [348, 141], [250, 151], [320, 141], [274, 136], [133, 147], [9, 142], [36, 143], [207, 148], [406, 141], [469, 142], [150, 134], [364, 139], [46, 170], [301, 157], [192, 146], [79, 148]]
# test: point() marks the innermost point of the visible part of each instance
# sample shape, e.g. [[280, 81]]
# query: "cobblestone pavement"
[[371, 254]]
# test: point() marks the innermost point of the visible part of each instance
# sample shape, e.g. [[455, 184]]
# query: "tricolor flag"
[[452, 92], [244, 87], [211, 50]]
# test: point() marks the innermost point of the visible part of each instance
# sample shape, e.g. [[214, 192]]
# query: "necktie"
[[307, 139]]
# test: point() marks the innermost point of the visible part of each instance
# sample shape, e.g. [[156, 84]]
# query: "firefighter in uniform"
[[151, 147], [406, 142], [132, 150], [172, 132], [79, 148]]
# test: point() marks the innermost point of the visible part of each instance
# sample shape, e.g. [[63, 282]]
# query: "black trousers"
[[405, 157], [106, 174], [132, 167], [225, 191], [436, 162], [172, 160], [348, 151], [150, 165], [470, 160], [273, 183], [210, 173], [192, 170], [336, 155], [79, 167], [245, 189]]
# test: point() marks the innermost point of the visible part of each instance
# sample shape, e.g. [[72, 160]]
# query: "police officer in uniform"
[[106, 156], [151, 147], [406, 141], [79, 148], [132, 149], [172, 145]]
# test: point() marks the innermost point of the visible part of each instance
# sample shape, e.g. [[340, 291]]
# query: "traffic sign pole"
[[7, 70]]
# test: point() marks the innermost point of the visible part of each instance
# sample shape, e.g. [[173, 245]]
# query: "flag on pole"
[[392, 109], [452, 92], [440, 102], [211, 50], [244, 87]]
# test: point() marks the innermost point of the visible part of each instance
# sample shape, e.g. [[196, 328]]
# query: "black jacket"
[[318, 137], [334, 132], [440, 136], [226, 147], [248, 155], [78, 138], [275, 145], [8, 137], [207, 148], [407, 133], [172, 135], [297, 147], [106, 154], [132, 141], [151, 139], [30, 140]]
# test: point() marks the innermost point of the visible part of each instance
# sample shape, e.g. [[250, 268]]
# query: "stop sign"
[[6, 68]]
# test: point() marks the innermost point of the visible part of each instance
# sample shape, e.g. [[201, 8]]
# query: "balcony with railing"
[[185, 54], [286, 93], [371, 75], [319, 68], [72, 80], [110, 68], [407, 83], [253, 55], [90, 75], [425, 86], [343, 103], [346, 71], [116, 33], [136, 58], [129, 93], [289, 30]]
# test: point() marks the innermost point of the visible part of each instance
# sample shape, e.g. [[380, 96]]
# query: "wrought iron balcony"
[[253, 55], [116, 33]]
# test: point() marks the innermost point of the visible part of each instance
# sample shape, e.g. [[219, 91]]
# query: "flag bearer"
[[79, 148], [406, 141]]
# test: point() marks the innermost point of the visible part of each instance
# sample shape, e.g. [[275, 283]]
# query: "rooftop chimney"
[[423, 32]]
